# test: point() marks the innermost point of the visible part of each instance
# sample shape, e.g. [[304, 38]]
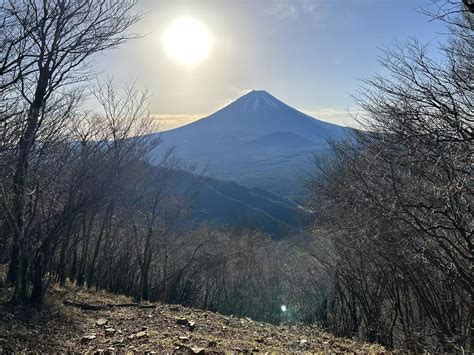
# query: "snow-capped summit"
[[258, 99]]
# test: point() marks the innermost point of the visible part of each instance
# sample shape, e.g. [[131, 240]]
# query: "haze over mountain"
[[257, 140]]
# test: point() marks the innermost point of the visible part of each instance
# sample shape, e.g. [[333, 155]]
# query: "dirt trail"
[[65, 326]]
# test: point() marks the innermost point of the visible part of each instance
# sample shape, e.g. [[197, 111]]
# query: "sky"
[[311, 54]]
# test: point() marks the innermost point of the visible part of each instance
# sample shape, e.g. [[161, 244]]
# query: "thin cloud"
[[287, 9], [310, 6], [334, 115], [166, 122], [283, 10]]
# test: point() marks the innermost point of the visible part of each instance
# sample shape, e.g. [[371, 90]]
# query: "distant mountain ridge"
[[257, 140], [226, 203]]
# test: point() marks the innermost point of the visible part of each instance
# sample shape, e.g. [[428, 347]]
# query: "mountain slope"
[[222, 203], [228, 203], [257, 140], [255, 114], [281, 139], [64, 326]]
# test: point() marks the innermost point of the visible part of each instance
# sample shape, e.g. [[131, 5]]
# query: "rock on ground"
[[163, 328]]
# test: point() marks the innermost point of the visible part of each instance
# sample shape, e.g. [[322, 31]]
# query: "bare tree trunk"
[[91, 270], [62, 262], [25, 146], [470, 340], [144, 282], [38, 284]]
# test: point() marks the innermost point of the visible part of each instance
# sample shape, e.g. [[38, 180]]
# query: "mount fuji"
[[257, 141]]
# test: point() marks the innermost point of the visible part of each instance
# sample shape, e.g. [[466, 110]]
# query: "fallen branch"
[[98, 307], [123, 304], [147, 306], [85, 306]]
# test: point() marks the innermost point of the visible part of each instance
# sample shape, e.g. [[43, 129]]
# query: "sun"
[[187, 41]]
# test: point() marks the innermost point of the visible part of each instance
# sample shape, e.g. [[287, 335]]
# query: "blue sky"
[[309, 53]]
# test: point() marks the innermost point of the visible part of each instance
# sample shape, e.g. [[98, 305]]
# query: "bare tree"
[[46, 46], [395, 203]]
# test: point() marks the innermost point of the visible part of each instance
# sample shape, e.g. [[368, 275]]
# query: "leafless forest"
[[387, 252]]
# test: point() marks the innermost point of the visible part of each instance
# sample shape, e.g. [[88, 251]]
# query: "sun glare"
[[187, 41]]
